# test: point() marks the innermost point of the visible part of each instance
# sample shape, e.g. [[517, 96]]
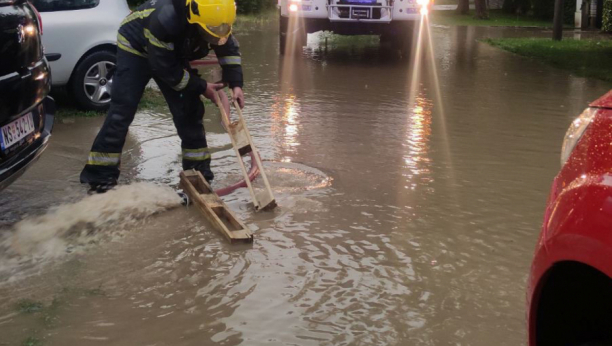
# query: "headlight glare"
[[575, 132]]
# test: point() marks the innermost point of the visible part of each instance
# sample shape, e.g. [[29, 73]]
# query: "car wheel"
[[93, 79]]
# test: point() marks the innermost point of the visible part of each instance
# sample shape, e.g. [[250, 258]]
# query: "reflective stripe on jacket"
[[158, 30]]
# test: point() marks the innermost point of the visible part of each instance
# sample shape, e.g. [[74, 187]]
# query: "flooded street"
[[399, 222]]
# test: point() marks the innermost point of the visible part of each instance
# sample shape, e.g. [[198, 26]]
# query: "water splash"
[[67, 226]]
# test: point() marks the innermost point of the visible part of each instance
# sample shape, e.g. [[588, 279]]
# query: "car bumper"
[[13, 167]]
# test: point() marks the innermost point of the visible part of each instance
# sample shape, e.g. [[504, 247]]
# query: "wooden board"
[[213, 208], [243, 145]]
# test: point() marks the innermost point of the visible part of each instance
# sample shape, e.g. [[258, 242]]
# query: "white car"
[[80, 40], [392, 20]]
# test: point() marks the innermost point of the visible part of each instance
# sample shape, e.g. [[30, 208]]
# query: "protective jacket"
[[158, 30], [157, 42]]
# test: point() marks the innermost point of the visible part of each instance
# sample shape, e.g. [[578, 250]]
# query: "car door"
[[72, 27]]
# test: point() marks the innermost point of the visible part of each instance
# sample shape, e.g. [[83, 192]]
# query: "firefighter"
[[157, 41]]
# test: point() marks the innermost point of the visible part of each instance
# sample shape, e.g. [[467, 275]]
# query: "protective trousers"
[[129, 81]]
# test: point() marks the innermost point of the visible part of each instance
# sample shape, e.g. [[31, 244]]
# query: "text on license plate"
[[361, 13], [16, 131]]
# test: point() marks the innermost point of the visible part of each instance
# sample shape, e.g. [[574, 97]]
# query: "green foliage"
[[496, 18], [152, 100], [545, 9], [569, 9], [254, 6], [516, 6], [31, 341], [358, 41], [29, 306], [607, 16], [256, 21], [244, 6], [588, 58]]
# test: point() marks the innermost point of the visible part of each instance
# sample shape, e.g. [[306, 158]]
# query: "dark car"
[[26, 110]]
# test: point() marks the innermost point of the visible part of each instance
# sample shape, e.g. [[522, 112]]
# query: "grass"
[[151, 100], [46, 314], [32, 341], [71, 112], [247, 21], [446, 2], [496, 18], [27, 306], [341, 40], [586, 58], [45, 317]]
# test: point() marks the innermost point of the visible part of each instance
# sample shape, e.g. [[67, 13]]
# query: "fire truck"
[[392, 20]]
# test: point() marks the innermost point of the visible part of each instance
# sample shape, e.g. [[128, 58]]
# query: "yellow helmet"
[[214, 17]]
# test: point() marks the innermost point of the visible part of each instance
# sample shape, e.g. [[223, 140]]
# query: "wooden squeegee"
[[215, 210], [243, 145]]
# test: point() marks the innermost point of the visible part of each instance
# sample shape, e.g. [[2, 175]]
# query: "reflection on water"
[[402, 220], [416, 156], [285, 114]]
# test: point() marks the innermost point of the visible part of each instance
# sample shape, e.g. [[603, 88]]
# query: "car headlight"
[[575, 132]]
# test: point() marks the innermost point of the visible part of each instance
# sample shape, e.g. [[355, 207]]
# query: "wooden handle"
[[256, 155], [224, 116]]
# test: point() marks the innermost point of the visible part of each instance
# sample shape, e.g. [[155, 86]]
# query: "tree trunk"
[[558, 21], [463, 7], [482, 12]]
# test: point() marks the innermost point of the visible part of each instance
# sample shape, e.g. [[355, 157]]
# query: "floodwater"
[[399, 222]]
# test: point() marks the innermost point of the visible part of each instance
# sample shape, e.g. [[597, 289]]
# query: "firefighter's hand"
[[209, 93], [239, 96]]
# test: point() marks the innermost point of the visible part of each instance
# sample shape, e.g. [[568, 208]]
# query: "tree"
[[482, 12], [463, 7], [518, 6], [607, 16], [558, 21]]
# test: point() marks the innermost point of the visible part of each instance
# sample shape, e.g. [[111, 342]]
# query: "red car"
[[569, 300]]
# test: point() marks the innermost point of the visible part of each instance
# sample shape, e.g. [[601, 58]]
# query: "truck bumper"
[[311, 25]]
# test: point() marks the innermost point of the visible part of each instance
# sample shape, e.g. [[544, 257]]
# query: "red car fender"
[[578, 219], [579, 228]]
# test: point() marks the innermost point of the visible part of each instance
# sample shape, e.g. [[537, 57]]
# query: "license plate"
[[17, 130], [361, 13], [306, 8]]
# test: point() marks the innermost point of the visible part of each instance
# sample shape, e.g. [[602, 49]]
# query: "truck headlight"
[[424, 4], [575, 132]]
